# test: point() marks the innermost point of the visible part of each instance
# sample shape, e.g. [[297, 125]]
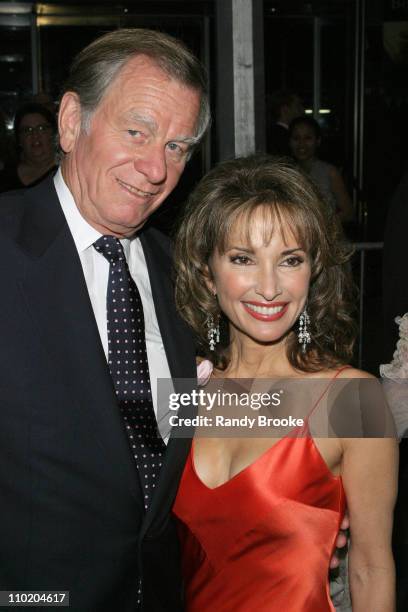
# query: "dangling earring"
[[213, 333], [304, 337]]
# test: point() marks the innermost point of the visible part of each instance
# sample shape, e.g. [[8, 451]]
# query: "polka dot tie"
[[127, 358]]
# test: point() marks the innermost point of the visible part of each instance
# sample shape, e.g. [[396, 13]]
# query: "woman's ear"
[[69, 121], [209, 280]]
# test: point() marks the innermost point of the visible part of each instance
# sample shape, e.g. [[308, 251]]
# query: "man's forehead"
[[131, 77], [141, 75], [141, 63], [142, 67]]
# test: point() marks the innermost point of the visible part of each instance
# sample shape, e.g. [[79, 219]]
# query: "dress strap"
[[325, 390]]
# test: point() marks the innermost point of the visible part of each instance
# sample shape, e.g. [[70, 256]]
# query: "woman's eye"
[[292, 261], [242, 260]]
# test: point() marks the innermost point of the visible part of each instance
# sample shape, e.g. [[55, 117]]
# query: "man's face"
[[125, 165]]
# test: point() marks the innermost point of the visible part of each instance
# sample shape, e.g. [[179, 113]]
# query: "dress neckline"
[[290, 436], [305, 433]]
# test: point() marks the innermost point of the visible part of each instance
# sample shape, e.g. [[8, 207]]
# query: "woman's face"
[[261, 288], [303, 142], [36, 138]]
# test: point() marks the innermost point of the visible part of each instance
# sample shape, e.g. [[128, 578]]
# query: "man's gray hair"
[[95, 67]]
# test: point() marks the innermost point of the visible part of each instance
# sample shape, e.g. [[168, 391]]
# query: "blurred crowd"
[[293, 134]]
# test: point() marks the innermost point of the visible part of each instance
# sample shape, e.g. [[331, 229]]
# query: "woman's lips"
[[266, 312]]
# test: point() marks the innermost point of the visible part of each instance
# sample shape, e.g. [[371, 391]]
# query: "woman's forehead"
[[259, 226], [32, 119]]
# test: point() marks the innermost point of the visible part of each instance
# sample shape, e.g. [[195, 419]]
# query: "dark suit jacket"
[[71, 508], [278, 140]]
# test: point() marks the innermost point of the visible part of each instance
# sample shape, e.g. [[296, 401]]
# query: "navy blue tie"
[[127, 359]]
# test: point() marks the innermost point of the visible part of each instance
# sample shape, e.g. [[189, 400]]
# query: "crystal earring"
[[213, 333], [304, 337]]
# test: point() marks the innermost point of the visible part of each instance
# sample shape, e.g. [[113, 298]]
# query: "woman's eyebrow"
[[290, 251], [240, 248]]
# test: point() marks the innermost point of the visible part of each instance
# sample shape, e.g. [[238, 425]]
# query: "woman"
[[304, 142], [261, 268], [34, 131]]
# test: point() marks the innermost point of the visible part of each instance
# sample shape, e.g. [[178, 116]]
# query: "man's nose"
[[267, 285], [151, 162]]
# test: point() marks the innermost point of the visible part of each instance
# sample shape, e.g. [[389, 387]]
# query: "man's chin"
[[124, 228]]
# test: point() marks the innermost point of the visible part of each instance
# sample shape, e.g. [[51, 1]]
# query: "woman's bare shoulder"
[[342, 372], [350, 372]]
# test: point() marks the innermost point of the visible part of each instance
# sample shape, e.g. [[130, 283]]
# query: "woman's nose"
[[267, 285]]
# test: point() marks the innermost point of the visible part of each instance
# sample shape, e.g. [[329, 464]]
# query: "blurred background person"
[[284, 106], [395, 286], [304, 142], [45, 99], [395, 348], [34, 133]]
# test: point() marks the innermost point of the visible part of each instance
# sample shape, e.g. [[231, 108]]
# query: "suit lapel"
[[180, 352], [177, 338], [57, 299]]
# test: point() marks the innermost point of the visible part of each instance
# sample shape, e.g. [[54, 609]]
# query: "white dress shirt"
[[96, 272]]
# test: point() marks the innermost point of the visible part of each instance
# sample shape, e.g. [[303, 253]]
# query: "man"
[[284, 107], [77, 514]]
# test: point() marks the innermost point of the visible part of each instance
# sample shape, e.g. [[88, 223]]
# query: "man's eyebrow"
[[190, 140], [152, 125], [135, 116]]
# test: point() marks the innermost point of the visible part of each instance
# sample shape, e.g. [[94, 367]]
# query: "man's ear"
[[69, 121], [209, 280]]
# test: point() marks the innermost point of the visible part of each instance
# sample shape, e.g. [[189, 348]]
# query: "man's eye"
[[176, 149], [134, 133]]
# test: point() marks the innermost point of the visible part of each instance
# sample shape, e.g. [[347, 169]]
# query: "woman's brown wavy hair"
[[231, 193]]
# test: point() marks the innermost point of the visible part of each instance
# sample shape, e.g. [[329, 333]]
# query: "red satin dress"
[[263, 540]]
